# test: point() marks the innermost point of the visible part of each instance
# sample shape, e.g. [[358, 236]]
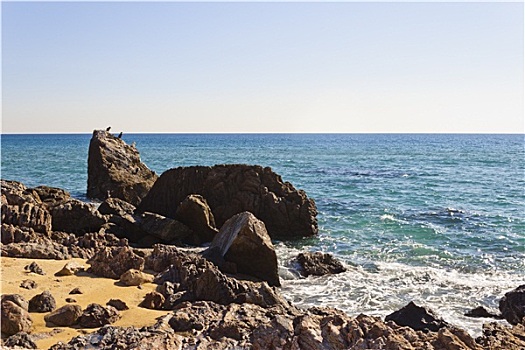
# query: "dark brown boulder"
[[319, 264], [115, 170], [232, 189], [153, 300], [15, 319], [165, 229], [65, 316], [244, 241], [96, 315], [43, 302], [116, 206], [52, 195], [118, 304], [195, 213], [77, 217], [112, 262], [17, 299], [480, 311], [20, 340], [417, 318], [512, 305]]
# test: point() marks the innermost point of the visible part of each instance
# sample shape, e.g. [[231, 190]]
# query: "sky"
[[242, 67]]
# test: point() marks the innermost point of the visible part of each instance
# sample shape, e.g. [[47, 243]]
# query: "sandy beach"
[[95, 290]]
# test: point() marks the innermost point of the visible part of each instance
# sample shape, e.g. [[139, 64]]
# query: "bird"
[[108, 128], [120, 135]]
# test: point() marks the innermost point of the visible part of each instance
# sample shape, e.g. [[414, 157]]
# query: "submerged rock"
[[232, 189], [319, 264], [115, 170], [417, 318]]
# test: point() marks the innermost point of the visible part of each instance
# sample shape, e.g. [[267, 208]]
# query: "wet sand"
[[95, 290]]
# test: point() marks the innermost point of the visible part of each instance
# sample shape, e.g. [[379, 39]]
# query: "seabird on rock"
[[120, 135], [108, 128]]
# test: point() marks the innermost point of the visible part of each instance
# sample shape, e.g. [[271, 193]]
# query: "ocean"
[[437, 219]]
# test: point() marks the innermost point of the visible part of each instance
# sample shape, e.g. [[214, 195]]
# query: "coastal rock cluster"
[[225, 296]]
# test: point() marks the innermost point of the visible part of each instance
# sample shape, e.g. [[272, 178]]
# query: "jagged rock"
[[43, 302], [116, 206], [319, 264], [15, 319], [35, 268], [161, 257], [52, 195], [134, 277], [497, 336], [195, 213], [417, 318], [153, 300], [166, 229], [65, 316], [96, 315], [50, 250], [20, 340], [70, 269], [480, 311], [17, 299], [15, 234], [115, 170], [77, 217], [244, 241], [232, 189], [118, 304], [28, 284], [110, 337], [112, 262], [198, 279], [512, 305]]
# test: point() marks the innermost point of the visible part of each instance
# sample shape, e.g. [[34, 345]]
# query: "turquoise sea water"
[[438, 219]]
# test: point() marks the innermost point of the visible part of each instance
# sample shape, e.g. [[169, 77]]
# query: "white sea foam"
[[387, 287]]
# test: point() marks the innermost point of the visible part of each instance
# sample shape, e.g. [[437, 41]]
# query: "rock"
[[512, 305], [20, 340], [115, 170], [43, 302], [28, 284], [15, 234], [244, 241], [109, 337], [65, 316], [118, 304], [166, 229], [480, 311], [70, 300], [153, 300], [96, 315], [232, 189], [17, 299], [51, 196], [116, 206], [15, 319], [417, 318], [161, 257], [70, 269], [76, 291], [76, 217], [497, 336], [134, 277], [33, 267], [318, 264], [113, 262], [195, 213]]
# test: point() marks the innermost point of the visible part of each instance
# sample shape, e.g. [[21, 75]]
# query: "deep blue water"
[[439, 219]]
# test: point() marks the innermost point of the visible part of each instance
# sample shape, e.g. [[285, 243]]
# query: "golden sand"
[[95, 290]]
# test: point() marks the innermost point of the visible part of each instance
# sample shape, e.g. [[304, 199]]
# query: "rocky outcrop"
[[74, 216], [20, 340], [65, 316], [232, 189], [115, 170], [318, 264], [512, 305], [244, 241], [15, 318], [417, 318], [113, 262], [498, 336]]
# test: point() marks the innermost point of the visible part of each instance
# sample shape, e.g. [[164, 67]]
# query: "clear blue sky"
[[262, 67]]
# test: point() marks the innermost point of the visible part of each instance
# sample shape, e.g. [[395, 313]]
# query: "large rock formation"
[[244, 241], [231, 189], [512, 305], [115, 170]]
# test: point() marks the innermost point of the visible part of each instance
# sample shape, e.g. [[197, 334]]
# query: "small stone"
[[28, 284], [71, 300], [118, 304], [33, 267], [76, 291]]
